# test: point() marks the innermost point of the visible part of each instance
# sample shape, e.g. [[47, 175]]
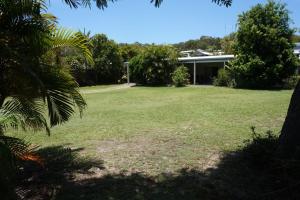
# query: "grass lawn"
[[164, 129]]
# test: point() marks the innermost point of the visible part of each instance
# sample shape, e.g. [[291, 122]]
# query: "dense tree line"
[[109, 56], [205, 42]]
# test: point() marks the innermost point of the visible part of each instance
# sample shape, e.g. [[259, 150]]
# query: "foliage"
[[296, 38], [227, 43], [181, 76], [205, 42], [129, 51], [223, 79], [104, 3], [32, 77], [291, 82], [208, 43], [223, 2], [31, 70], [260, 147], [108, 61], [264, 47], [12, 150], [154, 65]]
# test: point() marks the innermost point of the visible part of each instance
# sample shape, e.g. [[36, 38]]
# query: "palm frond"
[[157, 2], [87, 3], [67, 38], [17, 148], [227, 3], [104, 3], [61, 95], [73, 3], [23, 113]]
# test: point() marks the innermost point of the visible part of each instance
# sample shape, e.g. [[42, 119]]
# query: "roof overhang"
[[206, 59]]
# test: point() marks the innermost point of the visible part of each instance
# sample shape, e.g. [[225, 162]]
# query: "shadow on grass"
[[251, 172]]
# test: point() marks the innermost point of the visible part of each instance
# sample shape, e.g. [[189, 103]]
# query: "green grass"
[[163, 129]]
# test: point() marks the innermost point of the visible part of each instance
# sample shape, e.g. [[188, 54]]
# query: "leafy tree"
[[129, 51], [264, 47], [154, 65], [83, 73], [108, 60]]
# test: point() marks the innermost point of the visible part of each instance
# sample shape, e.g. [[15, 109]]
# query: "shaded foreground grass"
[[246, 173]]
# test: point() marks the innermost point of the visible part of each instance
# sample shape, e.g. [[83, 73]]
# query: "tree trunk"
[[289, 140]]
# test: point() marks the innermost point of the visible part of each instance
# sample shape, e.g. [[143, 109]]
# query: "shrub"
[[180, 76], [154, 65], [223, 78], [259, 150], [291, 82]]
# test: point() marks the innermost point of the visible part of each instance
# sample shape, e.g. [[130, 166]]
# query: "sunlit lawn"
[[162, 129]]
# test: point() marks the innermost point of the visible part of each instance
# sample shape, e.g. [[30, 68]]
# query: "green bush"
[[154, 65], [181, 76], [223, 79]]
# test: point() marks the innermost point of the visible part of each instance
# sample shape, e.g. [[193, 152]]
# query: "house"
[[203, 66]]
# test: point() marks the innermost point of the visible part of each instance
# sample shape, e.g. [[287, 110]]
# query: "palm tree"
[[31, 77]]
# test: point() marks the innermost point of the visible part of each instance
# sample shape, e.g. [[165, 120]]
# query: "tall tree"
[[108, 59], [264, 47], [33, 78]]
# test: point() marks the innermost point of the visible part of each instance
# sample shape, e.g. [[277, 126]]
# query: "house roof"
[[197, 52], [206, 59]]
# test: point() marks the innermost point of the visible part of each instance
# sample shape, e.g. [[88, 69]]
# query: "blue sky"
[[175, 21]]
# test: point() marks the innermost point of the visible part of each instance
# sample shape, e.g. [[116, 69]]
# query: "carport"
[[204, 68]]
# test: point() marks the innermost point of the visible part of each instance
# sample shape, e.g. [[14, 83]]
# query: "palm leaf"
[[66, 38], [227, 3], [61, 95], [25, 113], [104, 3], [17, 148], [87, 3]]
